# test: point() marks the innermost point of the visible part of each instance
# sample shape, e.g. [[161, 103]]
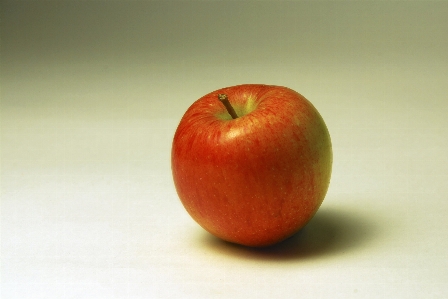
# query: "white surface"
[[92, 92]]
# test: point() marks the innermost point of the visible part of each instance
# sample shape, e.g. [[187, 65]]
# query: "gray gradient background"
[[91, 93]]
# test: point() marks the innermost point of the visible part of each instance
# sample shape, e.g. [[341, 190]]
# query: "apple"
[[252, 163]]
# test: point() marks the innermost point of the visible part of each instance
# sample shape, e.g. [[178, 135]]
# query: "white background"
[[92, 92]]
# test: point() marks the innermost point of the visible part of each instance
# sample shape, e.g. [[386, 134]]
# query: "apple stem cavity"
[[225, 100]]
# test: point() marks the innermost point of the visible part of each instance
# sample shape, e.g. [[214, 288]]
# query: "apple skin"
[[258, 179]]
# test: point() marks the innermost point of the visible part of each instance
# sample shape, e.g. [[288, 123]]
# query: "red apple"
[[256, 179]]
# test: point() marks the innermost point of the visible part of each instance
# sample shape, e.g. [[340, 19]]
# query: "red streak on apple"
[[257, 179]]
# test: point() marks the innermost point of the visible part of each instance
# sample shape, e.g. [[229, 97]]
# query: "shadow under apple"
[[331, 231]]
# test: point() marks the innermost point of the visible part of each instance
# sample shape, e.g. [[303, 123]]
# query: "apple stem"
[[225, 100]]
